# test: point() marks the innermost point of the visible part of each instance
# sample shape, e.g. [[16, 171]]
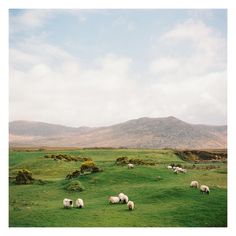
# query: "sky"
[[102, 67]]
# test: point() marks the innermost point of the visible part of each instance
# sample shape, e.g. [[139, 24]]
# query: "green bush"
[[75, 186], [24, 177], [122, 160], [74, 174]]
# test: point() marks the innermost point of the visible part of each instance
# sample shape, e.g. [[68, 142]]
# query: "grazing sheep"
[[176, 171], [120, 195], [79, 203], [169, 167], [194, 184], [68, 203], [113, 199], [204, 189], [123, 198], [182, 170], [130, 205], [130, 166]]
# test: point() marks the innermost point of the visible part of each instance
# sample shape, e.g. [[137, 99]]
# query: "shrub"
[[122, 160], [75, 186], [24, 177], [135, 161], [95, 169], [74, 174], [65, 157], [89, 166]]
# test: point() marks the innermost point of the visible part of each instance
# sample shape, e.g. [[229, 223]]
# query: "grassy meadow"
[[162, 198]]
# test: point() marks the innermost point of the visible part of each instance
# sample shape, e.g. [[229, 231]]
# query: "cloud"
[[185, 76], [29, 19], [189, 71], [46, 83], [197, 47]]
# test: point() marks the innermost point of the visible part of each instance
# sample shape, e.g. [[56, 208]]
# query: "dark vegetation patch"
[[136, 161], [74, 186], [66, 157], [24, 177], [87, 167], [202, 156], [201, 167]]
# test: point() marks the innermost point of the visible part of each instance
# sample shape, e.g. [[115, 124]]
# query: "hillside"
[[161, 198], [139, 133]]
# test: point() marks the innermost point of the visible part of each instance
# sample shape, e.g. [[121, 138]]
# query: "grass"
[[164, 202]]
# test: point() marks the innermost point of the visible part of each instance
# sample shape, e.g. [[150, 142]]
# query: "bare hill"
[[139, 133]]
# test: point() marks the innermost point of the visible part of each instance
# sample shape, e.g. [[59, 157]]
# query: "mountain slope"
[[138, 133]]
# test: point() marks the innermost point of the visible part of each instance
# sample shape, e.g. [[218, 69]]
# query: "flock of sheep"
[[121, 198], [68, 203], [194, 183], [203, 188], [177, 169]]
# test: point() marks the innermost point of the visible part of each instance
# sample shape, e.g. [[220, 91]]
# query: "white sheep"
[[204, 189], [169, 167], [182, 170], [68, 203], [176, 171], [194, 184], [113, 199], [123, 198], [130, 166], [130, 205], [79, 203]]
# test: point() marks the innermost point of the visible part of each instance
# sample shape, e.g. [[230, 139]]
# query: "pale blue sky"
[[150, 53]]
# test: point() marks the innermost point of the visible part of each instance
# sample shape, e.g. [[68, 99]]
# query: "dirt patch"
[[135, 161], [202, 156]]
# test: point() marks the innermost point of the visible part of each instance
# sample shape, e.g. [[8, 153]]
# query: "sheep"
[[169, 167], [79, 203], [182, 170], [123, 198], [176, 171], [204, 189], [113, 199], [130, 205], [130, 166], [68, 203], [194, 184]]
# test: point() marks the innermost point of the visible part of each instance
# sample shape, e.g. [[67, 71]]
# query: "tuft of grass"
[[74, 185]]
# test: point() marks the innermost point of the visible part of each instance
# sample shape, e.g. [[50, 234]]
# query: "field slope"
[[162, 199]]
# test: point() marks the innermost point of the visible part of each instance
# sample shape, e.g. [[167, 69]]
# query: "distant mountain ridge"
[[138, 133]]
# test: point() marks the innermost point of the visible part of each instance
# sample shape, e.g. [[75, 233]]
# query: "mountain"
[[139, 133]]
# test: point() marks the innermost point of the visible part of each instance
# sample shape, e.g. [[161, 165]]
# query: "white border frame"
[[120, 4]]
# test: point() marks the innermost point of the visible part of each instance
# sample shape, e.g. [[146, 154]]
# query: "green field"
[[162, 198]]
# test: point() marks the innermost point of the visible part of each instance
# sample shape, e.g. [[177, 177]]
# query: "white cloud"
[[49, 84], [54, 87], [29, 19], [164, 65], [196, 47], [189, 71]]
